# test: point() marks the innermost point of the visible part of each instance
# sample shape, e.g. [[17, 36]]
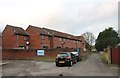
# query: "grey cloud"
[[78, 16]]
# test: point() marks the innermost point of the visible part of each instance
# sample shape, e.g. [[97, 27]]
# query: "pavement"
[[93, 66]]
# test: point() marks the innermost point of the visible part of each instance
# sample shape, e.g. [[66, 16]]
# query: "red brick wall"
[[10, 41], [45, 42], [21, 40], [115, 56], [17, 54], [82, 43], [8, 38], [37, 43], [34, 39], [0, 46], [57, 42], [0, 41], [68, 43], [29, 54]]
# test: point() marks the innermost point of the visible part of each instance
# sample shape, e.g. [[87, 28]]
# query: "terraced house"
[[44, 38], [38, 38], [14, 38]]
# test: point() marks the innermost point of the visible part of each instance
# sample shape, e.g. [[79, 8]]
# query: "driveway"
[[93, 66]]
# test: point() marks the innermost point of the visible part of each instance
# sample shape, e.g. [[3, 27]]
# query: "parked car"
[[65, 58], [77, 55]]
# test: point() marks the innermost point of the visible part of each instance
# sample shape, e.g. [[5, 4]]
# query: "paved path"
[[93, 66]]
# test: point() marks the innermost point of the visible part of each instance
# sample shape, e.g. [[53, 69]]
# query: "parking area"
[[93, 66]]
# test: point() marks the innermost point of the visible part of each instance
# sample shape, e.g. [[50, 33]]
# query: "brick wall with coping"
[[12, 54]]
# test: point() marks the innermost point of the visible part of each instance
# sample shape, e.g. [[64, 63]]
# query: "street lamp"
[[62, 44], [27, 44]]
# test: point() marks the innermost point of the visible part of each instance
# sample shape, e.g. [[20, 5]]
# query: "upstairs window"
[[48, 37], [17, 36], [64, 39], [26, 38], [60, 39], [77, 41], [43, 37]]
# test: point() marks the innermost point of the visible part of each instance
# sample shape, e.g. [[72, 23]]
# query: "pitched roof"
[[50, 32], [39, 30], [18, 30], [80, 37], [61, 34]]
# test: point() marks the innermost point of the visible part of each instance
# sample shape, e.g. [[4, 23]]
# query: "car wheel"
[[75, 60], [57, 65], [70, 64]]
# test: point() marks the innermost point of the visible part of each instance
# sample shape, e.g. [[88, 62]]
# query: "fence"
[[112, 56], [115, 56]]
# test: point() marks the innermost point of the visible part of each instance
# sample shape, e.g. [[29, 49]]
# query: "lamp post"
[[62, 43]]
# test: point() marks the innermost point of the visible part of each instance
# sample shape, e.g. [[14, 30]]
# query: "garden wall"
[[13, 54]]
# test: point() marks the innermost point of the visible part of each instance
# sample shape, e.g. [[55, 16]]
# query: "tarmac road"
[[93, 66]]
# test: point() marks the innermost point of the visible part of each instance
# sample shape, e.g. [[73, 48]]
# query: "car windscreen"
[[62, 55]]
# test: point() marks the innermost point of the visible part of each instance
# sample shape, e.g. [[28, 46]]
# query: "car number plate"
[[61, 62]]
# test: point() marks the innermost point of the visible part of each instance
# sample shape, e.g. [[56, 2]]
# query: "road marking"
[[4, 63]]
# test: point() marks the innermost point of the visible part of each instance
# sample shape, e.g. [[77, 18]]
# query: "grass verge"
[[46, 59]]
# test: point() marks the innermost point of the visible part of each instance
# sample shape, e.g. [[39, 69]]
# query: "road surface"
[[93, 66]]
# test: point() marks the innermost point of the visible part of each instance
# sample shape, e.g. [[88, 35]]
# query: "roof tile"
[[18, 30]]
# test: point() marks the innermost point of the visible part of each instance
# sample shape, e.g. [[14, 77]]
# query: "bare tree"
[[89, 38]]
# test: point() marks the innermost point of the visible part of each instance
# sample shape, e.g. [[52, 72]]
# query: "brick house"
[[14, 37], [83, 43], [49, 39], [63, 40], [39, 38]]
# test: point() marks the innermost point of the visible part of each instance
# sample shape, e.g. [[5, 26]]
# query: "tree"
[[107, 38], [89, 38]]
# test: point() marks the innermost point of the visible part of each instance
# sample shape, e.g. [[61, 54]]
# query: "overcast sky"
[[70, 16]]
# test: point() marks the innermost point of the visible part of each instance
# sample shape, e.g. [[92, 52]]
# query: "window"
[[64, 39], [66, 47], [80, 40], [60, 39], [77, 41], [17, 36], [62, 55], [26, 38], [21, 47], [48, 37], [42, 37], [45, 47], [58, 47]]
